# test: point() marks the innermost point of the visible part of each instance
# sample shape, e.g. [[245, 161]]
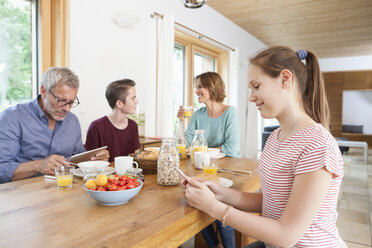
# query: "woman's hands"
[[218, 190], [180, 113], [199, 195]]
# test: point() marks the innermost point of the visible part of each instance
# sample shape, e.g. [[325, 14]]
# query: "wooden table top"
[[34, 213], [149, 141]]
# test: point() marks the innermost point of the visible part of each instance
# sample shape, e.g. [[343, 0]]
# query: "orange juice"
[[182, 151], [187, 113], [210, 169], [197, 149], [64, 181]]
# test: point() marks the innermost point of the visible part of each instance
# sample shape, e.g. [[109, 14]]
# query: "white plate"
[[108, 170], [155, 148], [226, 182], [218, 155], [213, 151]]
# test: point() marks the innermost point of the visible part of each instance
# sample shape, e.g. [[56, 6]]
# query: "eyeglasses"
[[63, 102]]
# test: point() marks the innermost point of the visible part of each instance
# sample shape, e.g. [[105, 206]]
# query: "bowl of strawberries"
[[113, 190]]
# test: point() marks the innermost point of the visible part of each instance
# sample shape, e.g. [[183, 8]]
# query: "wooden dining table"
[[147, 141], [35, 213]]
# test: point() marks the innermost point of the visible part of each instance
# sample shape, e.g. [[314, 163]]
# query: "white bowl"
[[112, 198], [213, 151], [90, 166]]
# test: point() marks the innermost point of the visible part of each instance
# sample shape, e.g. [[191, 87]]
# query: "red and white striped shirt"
[[308, 150]]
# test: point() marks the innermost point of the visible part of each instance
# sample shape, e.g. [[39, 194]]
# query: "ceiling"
[[329, 28]]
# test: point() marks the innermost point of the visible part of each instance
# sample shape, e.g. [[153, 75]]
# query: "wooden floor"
[[355, 201]]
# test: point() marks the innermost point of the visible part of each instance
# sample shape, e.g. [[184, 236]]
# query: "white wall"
[[357, 109], [102, 51], [346, 63]]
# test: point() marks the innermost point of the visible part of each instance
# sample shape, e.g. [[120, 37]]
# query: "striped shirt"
[[308, 150]]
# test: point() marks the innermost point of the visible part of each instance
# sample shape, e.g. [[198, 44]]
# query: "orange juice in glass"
[[182, 151], [64, 176], [210, 169], [197, 149], [187, 111]]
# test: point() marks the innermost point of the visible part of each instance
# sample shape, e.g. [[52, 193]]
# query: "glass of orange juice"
[[187, 111], [64, 176], [211, 168], [182, 151]]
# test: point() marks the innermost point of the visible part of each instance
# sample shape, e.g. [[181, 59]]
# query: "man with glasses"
[[38, 136]]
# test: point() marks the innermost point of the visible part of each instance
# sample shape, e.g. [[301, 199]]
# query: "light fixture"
[[193, 4], [125, 20]]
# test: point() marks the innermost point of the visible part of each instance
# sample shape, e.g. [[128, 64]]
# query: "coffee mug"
[[123, 163], [202, 159]]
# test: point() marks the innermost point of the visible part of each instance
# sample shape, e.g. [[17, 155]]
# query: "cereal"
[[167, 174]]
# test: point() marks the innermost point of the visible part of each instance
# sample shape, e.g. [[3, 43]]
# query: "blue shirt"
[[25, 136], [221, 131]]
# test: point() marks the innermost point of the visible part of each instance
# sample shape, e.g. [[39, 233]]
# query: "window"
[[202, 63], [191, 58], [179, 76], [17, 52]]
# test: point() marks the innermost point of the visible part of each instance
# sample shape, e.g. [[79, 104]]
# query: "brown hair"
[[118, 90], [213, 82], [310, 81]]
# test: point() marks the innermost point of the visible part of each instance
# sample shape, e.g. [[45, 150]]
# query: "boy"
[[115, 130]]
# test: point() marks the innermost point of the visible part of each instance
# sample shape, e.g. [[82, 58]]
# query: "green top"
[[221, 131]]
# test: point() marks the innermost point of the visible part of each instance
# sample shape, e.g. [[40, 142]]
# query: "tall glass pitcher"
[[181, 141], [199, 144], [168, 161]]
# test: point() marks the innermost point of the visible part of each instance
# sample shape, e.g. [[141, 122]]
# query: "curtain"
[[164, 111], [251, 137], [55, 33], [233, 85]]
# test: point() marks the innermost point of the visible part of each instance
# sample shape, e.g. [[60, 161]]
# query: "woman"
[[221, 123], [300, 168]]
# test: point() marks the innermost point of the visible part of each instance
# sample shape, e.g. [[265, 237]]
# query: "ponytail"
[[310, 81], [314, 97]]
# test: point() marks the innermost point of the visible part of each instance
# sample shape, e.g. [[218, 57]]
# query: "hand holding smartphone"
[[185, 181]]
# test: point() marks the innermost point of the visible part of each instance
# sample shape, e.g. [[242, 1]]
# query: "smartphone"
[[181, 173]]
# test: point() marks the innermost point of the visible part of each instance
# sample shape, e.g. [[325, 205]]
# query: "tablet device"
[[85, 156]]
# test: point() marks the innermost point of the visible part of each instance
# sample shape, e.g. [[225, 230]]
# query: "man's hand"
[[102, 155], [47, 165]]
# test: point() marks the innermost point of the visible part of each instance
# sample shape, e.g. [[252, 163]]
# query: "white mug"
[[202, 159], [123, 163]]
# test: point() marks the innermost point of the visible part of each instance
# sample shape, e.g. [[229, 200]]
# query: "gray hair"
[[55, 75]]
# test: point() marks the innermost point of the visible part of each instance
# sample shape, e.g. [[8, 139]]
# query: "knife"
[[234, 170]]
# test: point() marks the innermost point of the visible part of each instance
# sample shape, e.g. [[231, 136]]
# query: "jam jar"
[[136, 173]]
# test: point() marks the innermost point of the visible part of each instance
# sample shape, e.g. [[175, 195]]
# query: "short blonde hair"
[[215, 85]]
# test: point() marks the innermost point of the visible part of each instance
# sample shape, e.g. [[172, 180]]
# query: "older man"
[[38, 136]]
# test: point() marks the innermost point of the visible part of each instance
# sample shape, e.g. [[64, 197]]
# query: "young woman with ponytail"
[[301, 167]]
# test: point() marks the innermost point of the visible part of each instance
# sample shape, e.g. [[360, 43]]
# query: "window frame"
[[194, 45]]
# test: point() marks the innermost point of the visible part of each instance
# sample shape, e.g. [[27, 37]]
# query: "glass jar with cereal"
[[168, 161]]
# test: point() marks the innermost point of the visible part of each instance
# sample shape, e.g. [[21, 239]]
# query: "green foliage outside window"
[[15, 52]]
